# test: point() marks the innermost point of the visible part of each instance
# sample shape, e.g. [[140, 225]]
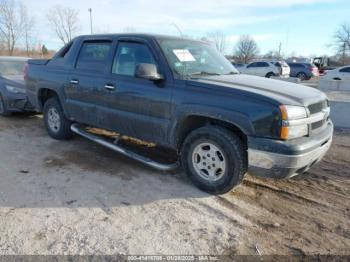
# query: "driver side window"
[[128, 56]]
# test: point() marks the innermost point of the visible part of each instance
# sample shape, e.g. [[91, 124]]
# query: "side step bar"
[[79, 129]]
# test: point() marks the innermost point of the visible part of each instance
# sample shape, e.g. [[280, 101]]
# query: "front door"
[[136, 107], [252, 69]]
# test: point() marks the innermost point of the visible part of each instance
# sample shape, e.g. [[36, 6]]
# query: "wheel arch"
[[45, 94], [270, 73], [188, 123]]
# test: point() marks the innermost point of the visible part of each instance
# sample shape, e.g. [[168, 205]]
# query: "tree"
[[342, 40], [218, 38], [44, 50], [272, 55], [64, 21], [28, 23], [246, 49], [11, 24]]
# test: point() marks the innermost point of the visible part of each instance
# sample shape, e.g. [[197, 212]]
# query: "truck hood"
[[281, 91]]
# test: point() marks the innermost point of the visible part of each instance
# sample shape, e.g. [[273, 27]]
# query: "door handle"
[[109, 87], [74, 82]]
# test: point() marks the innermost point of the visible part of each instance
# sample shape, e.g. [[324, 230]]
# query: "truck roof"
[[139, 35]]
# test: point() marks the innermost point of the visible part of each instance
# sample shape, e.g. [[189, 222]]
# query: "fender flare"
[[237, 119]]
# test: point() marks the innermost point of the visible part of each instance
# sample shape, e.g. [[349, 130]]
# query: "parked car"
[[303, 71], [283, 67], [264, 69], [183, 95], [238, 65], [12, 87], [341, 73]]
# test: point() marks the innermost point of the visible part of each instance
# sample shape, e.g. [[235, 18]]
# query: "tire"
[[269, 75], [56, 123], [3, 110], [302, 76], [229, 167]]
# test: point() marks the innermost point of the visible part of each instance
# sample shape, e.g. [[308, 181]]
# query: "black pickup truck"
[[184, 95]]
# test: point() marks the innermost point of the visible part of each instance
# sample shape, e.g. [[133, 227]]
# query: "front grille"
[[317, 107]]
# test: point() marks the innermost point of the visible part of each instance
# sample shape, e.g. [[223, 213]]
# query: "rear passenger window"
[[345, 70], [128, 56], [93, 56]]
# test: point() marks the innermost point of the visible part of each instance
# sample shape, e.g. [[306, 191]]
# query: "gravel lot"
[[76, 197]]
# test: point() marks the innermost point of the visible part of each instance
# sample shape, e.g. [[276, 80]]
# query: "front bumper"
[[283, 159]]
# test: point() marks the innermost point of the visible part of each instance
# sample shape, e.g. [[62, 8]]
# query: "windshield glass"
[[11, 67], [191, 58]]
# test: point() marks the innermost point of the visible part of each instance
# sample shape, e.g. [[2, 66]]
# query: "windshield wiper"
[[204, 73]]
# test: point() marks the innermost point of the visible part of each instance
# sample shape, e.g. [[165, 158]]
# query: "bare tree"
[[28, 24], [218, 38], [272, 55], [342, 40], [246, 49], [64, 21], [11, 24]]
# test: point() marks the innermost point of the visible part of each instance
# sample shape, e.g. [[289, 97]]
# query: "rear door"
[[137, 107], [84, 92]]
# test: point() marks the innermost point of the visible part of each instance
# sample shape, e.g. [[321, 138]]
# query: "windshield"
[[191, 58], [11, 67]]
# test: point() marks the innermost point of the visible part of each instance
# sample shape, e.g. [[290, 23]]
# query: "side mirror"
[[147, 71]]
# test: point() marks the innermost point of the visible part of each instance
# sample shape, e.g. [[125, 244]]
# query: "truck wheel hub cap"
[[54, 120], [209, 161]]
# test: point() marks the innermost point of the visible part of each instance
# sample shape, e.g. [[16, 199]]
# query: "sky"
[[303, 27]]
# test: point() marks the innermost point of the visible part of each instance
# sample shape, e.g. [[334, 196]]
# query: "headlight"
[[288, 130], [15, 90]]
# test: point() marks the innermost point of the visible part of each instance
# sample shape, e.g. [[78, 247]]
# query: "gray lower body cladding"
[[282, 159]]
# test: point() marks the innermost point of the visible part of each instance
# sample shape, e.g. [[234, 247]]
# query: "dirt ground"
[[76, 197]]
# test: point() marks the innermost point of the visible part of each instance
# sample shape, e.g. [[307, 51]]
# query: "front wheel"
[[214, 159], [56, 123]]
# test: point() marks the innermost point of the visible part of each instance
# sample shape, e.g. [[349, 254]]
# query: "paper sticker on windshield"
[[184, 55]]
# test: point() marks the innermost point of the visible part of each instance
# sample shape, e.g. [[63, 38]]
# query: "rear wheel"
[[3, 110], [214, 159], [269, 75], [302, 76], [56, 123]]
